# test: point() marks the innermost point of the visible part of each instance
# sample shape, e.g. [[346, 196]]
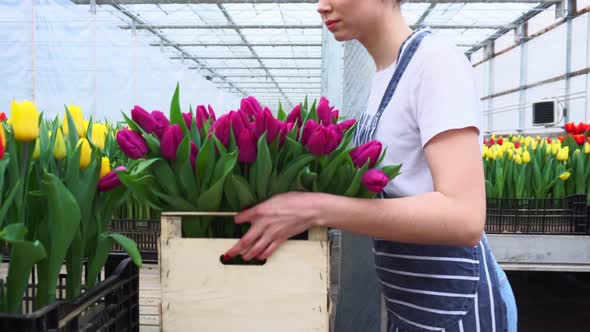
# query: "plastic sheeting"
[[56, 53]]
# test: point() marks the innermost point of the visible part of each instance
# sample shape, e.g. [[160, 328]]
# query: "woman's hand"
[[273, 222]]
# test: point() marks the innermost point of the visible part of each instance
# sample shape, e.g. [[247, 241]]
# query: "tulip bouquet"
[[519, 167], [200, 162], [64, 195]]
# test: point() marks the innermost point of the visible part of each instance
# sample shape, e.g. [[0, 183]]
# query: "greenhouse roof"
[[273, 48]]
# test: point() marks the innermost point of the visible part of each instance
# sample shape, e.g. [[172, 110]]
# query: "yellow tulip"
[[105, 166], [548, 148], [59, 149], [587, 148], [555, 149], [2, 136], [37, 150], [534, 145], [24, 119], [565, 176], [490, 154], [563, 154], [518, 160], [86, 124], [99, 135], [526, 157], [510, 154], [85, 152], [76, 113]]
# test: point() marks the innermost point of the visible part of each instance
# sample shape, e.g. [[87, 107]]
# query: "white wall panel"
[[507, 70], [546, 55]]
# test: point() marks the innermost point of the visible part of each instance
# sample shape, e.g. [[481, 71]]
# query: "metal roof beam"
[[318, 26], [238, 44], [184, 2], [260, 68], [276, 76], [245, 58]]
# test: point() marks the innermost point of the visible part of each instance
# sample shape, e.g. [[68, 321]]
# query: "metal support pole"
[[522, 34]]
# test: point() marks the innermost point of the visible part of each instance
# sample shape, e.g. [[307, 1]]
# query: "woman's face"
[[351, 19]]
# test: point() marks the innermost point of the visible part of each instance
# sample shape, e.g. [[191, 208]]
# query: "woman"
[[432, 258]]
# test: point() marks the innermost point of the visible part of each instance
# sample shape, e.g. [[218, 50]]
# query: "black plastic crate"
[[112, 305], [567, 215], [146, 233]]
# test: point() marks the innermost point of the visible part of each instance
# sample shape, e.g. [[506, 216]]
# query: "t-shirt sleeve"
[[447, 96]]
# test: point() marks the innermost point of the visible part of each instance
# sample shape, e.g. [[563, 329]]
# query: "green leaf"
[[281, 115], [166, 177], [175, 112], [183, 152], [13, 232], [24, 255], [205, 163], [392, 171], [143, 165], [103, 247], [225, 165], [288, 175], [263, 166], [328, 172], [240, 186], [63, 219]]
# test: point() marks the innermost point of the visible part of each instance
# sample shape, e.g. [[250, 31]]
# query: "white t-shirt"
[[437, 92]]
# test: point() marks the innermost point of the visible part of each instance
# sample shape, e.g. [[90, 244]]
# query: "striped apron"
[[433, 287]]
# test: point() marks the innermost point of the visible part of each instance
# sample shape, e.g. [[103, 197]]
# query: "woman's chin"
[[341, 37]]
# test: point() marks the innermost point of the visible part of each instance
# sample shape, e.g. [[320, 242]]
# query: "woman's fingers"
[[270, 249], [246, 241], [258, 247]]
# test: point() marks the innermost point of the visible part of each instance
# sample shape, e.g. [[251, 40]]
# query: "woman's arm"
[[454, 214]]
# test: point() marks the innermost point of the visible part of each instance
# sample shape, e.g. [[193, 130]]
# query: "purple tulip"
[[295, 115], [324, 140], [239, 121], [194, 153], [310, 128], [375, 180], [202, 116], [132, 143], [162, 123], [143, 119], [334, 115], [324, 112], [221, 129], [188, 119], [111, 180], [251, 107], [345, 125], [265, 122], [370, 150], [211, 112], [247, 148], [286, 128], [170, 141]]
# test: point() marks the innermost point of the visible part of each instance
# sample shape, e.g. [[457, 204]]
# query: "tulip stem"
[[25, 158], [59, 169]]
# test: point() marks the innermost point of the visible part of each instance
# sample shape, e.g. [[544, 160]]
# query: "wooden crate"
[[199, 293]]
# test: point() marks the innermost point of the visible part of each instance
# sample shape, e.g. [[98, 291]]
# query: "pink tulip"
[[368, 151], [211, 112], [143, 119], [310, 128], [170, 141], [188, 119], [111, 180], [335, 114], [286, 128], [251, 107], [295, 116], [247, 146], [132, 143], [324, 140], [324, 112], [162, 123], [345, 125], [265, 122], [202, 116], [239, 121], [374, 180], [220, 128], [194, 153]]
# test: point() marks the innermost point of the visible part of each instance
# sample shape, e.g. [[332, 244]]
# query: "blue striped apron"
[[433, 287]]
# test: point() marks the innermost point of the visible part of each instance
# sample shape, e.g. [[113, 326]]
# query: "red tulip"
[[111, 180], [221, 129], [143, 119], [194, 153], [2, 116], [368, 151], [560, 138], [324, 140], [485, 142], [295, 116], [265, 122], [2, 148], [570, 128], [500, 141], [170, 141], [345, 125], [310, 128], [247, 148], [580, 128], [375, 180], [324, 112], [132, 143], [516, 145], [580, 139], [251, 107], [548, 140], [162, 123]]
